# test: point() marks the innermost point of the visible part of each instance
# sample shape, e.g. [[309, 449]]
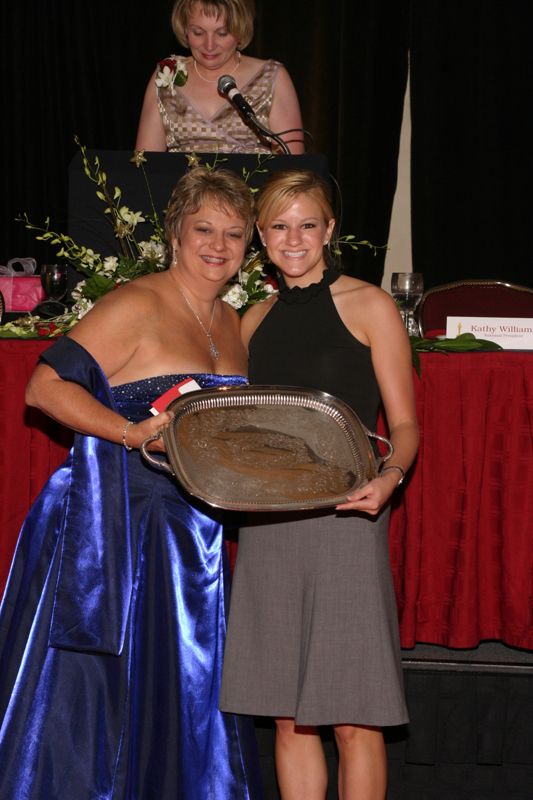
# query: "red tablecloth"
[[461, 532], [31, 444], [461, 537]]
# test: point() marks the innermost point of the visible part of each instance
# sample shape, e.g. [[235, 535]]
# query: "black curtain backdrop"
[[472, 122], [81, 68]]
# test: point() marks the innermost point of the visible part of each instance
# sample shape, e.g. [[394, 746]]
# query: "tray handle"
[[386, 442], [158, 463]]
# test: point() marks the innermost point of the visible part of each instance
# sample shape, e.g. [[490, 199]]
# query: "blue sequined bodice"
[[134, 399]]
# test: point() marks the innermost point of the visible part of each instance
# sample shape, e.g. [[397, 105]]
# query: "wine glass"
[[407, 289], [54, 280]]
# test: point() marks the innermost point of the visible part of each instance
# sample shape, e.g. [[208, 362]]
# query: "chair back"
[[487, 298]]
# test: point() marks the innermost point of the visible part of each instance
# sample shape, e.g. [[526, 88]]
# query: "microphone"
[[228, 88]]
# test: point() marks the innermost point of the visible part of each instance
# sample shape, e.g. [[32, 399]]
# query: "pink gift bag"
[[19, 285]]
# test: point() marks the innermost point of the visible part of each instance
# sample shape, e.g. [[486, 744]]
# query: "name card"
[[510, 333]]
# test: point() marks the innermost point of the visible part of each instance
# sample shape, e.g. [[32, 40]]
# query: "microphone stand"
[[266, 132]]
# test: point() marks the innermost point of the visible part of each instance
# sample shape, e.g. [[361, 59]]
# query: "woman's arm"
[[151, 133], [285, 112], [109, 332], [392, 361], [73, 406]]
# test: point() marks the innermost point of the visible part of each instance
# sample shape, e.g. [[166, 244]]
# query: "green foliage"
[[464, 343]]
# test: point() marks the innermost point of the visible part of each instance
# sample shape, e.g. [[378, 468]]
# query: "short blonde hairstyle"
[[283, 187], [238, 17], [222, 188]]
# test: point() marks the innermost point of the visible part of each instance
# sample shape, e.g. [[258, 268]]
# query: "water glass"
[[407, 289]]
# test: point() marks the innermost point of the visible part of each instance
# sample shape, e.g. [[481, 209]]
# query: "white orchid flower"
[[77, 291], [132, 218], [235, 296], [153, 251], [81, 306], [109, 266]]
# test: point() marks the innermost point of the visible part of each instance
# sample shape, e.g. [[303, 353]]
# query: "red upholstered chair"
[[487, 298]]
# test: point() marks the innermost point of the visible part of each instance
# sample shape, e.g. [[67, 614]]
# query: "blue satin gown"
[[112, 629]]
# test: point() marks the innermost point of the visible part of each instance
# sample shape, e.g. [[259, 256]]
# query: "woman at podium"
[[187, 109]]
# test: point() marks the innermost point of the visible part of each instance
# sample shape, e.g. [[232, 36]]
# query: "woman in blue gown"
[[113, 622]]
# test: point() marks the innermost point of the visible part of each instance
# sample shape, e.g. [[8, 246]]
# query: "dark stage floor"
[[470, 736]]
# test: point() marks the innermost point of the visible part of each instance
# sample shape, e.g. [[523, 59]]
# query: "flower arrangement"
[[252, 283], [171, 72], [103, 273]]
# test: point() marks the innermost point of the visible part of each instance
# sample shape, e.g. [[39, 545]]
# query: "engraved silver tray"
[[267, 448]]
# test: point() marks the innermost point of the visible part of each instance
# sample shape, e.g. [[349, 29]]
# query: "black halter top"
[[302, 341]]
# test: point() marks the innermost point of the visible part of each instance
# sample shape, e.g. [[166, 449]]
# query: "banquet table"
[[31, 444], [461, 532]]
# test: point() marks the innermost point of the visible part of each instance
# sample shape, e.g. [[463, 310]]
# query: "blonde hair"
[[238, 17], [220, 187], [283, 187]]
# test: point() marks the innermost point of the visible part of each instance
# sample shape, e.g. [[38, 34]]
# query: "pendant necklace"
[[208, 80], [212, 346]]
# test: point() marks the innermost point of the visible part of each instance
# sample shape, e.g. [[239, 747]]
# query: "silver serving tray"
[[267, 448]]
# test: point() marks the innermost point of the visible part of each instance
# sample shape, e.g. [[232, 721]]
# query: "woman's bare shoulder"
[[122, 307], [257, 311], [366, 309], [251, 62], [118, 322], [249, 67], [356, 290]]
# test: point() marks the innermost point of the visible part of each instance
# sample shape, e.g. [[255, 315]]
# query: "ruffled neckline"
[[303, 294]]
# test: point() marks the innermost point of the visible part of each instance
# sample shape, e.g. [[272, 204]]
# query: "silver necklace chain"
[[212, 346], [210, 80]]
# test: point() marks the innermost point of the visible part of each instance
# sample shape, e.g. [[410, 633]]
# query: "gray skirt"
[[313, 628]]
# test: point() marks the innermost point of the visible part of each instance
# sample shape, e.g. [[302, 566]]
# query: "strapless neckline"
[[173, 378]]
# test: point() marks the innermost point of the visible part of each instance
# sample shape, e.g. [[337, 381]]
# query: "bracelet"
[[394, 466], [124, 432]]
